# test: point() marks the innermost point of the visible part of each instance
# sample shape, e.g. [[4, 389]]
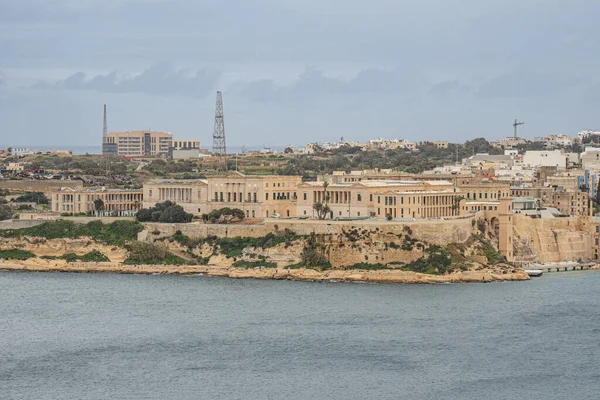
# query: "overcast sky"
[[296, 71]]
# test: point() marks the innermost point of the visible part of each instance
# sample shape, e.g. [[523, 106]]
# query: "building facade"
[[136, 143], [380, 199], [259, 196], [115, 201]]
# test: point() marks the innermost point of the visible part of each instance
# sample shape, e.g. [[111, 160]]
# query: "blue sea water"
[[102, 336]]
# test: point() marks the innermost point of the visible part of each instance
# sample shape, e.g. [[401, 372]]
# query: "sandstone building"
[[75, 201], [259, 196]]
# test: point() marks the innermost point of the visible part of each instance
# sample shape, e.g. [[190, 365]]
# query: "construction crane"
[[516, 125]]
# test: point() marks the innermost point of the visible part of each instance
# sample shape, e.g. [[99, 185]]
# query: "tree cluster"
[[224, 215], [347, 158], [164, 212], [33, 197]]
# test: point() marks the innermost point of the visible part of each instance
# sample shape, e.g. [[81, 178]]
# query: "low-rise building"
[[590, 158], [545, 158], [114, 201], [486, 161]]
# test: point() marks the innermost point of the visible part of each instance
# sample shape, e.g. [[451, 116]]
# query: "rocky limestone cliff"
[[59, 247]]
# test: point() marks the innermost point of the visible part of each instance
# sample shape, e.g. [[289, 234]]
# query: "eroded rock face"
[[343, 250], [58, 247], [386, 276], [551, 243]]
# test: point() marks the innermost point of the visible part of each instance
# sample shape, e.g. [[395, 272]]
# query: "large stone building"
[[380, 199], [136, 143], [81, 201], [259, 196]]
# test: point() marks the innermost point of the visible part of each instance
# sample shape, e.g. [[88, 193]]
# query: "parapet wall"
[[31, 185], [433, 231], [20, 223]]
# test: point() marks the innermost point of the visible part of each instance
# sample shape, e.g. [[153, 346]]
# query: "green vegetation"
[[367, 266], [233, 247], [115, 233], [254, 264], [490, 253], [350, 158], [224, 215], [436, 260], [313, 254], [5, 212], [16, 254], [149, 253], [33, 197], [92, 256], [164, 212]]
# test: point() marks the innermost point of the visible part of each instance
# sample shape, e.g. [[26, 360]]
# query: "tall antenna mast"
[[219, 148], [516, 125], [105, 126], [104, 133]]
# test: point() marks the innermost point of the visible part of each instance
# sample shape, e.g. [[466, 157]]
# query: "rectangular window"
[[378, 199], [266, 196], [305, 196]]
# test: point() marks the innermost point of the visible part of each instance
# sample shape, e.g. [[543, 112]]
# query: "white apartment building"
[[545, 158]]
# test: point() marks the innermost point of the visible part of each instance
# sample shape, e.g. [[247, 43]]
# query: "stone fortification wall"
[[439, 232], [45, 186], [551, 240], [20, 223], [106, 220]]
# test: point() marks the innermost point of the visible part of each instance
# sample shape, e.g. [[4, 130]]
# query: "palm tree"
[[323, 209]]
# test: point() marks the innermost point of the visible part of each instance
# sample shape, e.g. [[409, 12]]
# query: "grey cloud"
[[449, 88], [159, 79], [523, 84], [313, 82]]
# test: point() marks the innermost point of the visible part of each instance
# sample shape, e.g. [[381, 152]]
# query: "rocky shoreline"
[[300, 274]]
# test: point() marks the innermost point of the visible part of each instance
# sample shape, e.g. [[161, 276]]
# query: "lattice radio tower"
[[219, 148], [105, 157]]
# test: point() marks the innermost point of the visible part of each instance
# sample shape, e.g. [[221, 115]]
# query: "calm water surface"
[[96, 336]]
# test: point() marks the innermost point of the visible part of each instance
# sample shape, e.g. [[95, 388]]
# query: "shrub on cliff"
[[16, 254], [149, 253], [234, 247], [254, 264], [313, 254], [117, 232], [436, 260]]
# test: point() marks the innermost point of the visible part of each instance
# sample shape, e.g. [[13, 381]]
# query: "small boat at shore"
[[534, 272]]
